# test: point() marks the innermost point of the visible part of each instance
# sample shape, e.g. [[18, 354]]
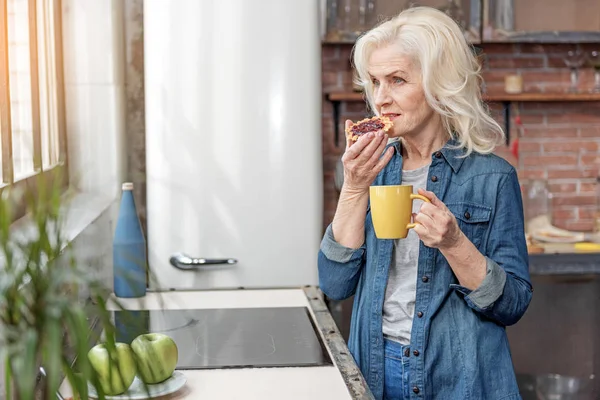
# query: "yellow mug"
[[391, 210]]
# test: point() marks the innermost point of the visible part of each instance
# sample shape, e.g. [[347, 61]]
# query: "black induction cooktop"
[[232, 338]]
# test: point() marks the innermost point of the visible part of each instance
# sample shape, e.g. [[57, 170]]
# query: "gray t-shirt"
[[400, 293]]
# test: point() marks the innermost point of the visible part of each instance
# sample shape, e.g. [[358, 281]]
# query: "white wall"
[[94, 68], [94, 63]]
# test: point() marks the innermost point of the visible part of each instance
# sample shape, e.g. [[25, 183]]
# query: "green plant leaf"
[[26, 365], [53, 344], [78, 333], [8, 377], [77, 382]]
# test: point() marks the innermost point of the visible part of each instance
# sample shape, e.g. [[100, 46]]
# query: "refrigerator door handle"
[[184, 262]]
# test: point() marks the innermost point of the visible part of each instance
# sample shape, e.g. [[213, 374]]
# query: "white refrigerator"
[[233, 138]]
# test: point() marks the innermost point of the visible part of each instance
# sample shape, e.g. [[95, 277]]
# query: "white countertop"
[[290, 383]]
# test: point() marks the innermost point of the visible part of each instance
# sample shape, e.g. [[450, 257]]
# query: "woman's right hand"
[[363, 160]]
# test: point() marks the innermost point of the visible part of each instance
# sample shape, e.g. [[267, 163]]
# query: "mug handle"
[[413, 197]]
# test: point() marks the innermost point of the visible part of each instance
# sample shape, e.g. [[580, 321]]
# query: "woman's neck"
[[417, 151]]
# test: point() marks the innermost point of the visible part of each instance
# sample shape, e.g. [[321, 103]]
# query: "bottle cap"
[[128, 186]]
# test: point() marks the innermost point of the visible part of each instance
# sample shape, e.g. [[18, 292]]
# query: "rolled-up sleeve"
[[339, 267], [506, 291], [489, 290]]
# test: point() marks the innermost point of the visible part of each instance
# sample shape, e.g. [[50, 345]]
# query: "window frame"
[[55, 174]]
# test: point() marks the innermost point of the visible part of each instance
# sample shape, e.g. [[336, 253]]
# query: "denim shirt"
[[459, 349]]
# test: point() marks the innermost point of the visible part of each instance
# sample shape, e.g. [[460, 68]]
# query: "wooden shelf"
[[496, 97], [345, 96], [541, 97], [505, 98]]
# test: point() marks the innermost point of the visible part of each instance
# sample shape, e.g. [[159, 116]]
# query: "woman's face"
[[398, 93]]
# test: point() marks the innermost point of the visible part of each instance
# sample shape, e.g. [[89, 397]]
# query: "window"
[[32, 122]]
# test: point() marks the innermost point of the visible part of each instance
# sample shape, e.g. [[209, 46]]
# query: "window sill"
[[81, 212]]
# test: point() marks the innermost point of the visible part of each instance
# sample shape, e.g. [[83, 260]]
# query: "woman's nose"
[[381, 96]]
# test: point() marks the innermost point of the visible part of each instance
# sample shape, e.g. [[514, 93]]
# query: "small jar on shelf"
[[537, 205]]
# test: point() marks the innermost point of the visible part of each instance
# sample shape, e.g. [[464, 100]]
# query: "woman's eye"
[[398, 80], [375, 82]]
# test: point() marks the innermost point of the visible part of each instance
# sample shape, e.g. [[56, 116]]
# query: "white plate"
[[543, 237], [137, 391]]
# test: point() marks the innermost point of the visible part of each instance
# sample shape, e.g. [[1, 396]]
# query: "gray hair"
[[450, 73]]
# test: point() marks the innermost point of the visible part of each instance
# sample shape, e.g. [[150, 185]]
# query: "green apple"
[[156, 355], [115, 377]]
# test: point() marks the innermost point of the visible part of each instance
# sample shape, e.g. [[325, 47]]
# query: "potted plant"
[[44, 322]]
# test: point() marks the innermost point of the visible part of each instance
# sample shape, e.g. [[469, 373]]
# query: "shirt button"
[[416, 353], [434, 178], [425, 279], [407, 352], [416, 389], [438, 154], [419, 314], [467, 215]]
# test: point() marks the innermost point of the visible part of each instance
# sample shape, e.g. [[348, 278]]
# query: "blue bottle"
[[129, 250]]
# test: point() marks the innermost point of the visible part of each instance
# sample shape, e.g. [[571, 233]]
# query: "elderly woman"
[[430, 310]]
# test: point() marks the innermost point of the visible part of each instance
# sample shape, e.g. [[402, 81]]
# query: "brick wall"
[[559, 142]]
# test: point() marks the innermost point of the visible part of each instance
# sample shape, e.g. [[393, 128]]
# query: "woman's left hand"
[[436, 225]]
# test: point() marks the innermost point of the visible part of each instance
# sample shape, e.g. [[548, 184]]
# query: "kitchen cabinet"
[[347, 19], [541, 21], [533, 21]]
